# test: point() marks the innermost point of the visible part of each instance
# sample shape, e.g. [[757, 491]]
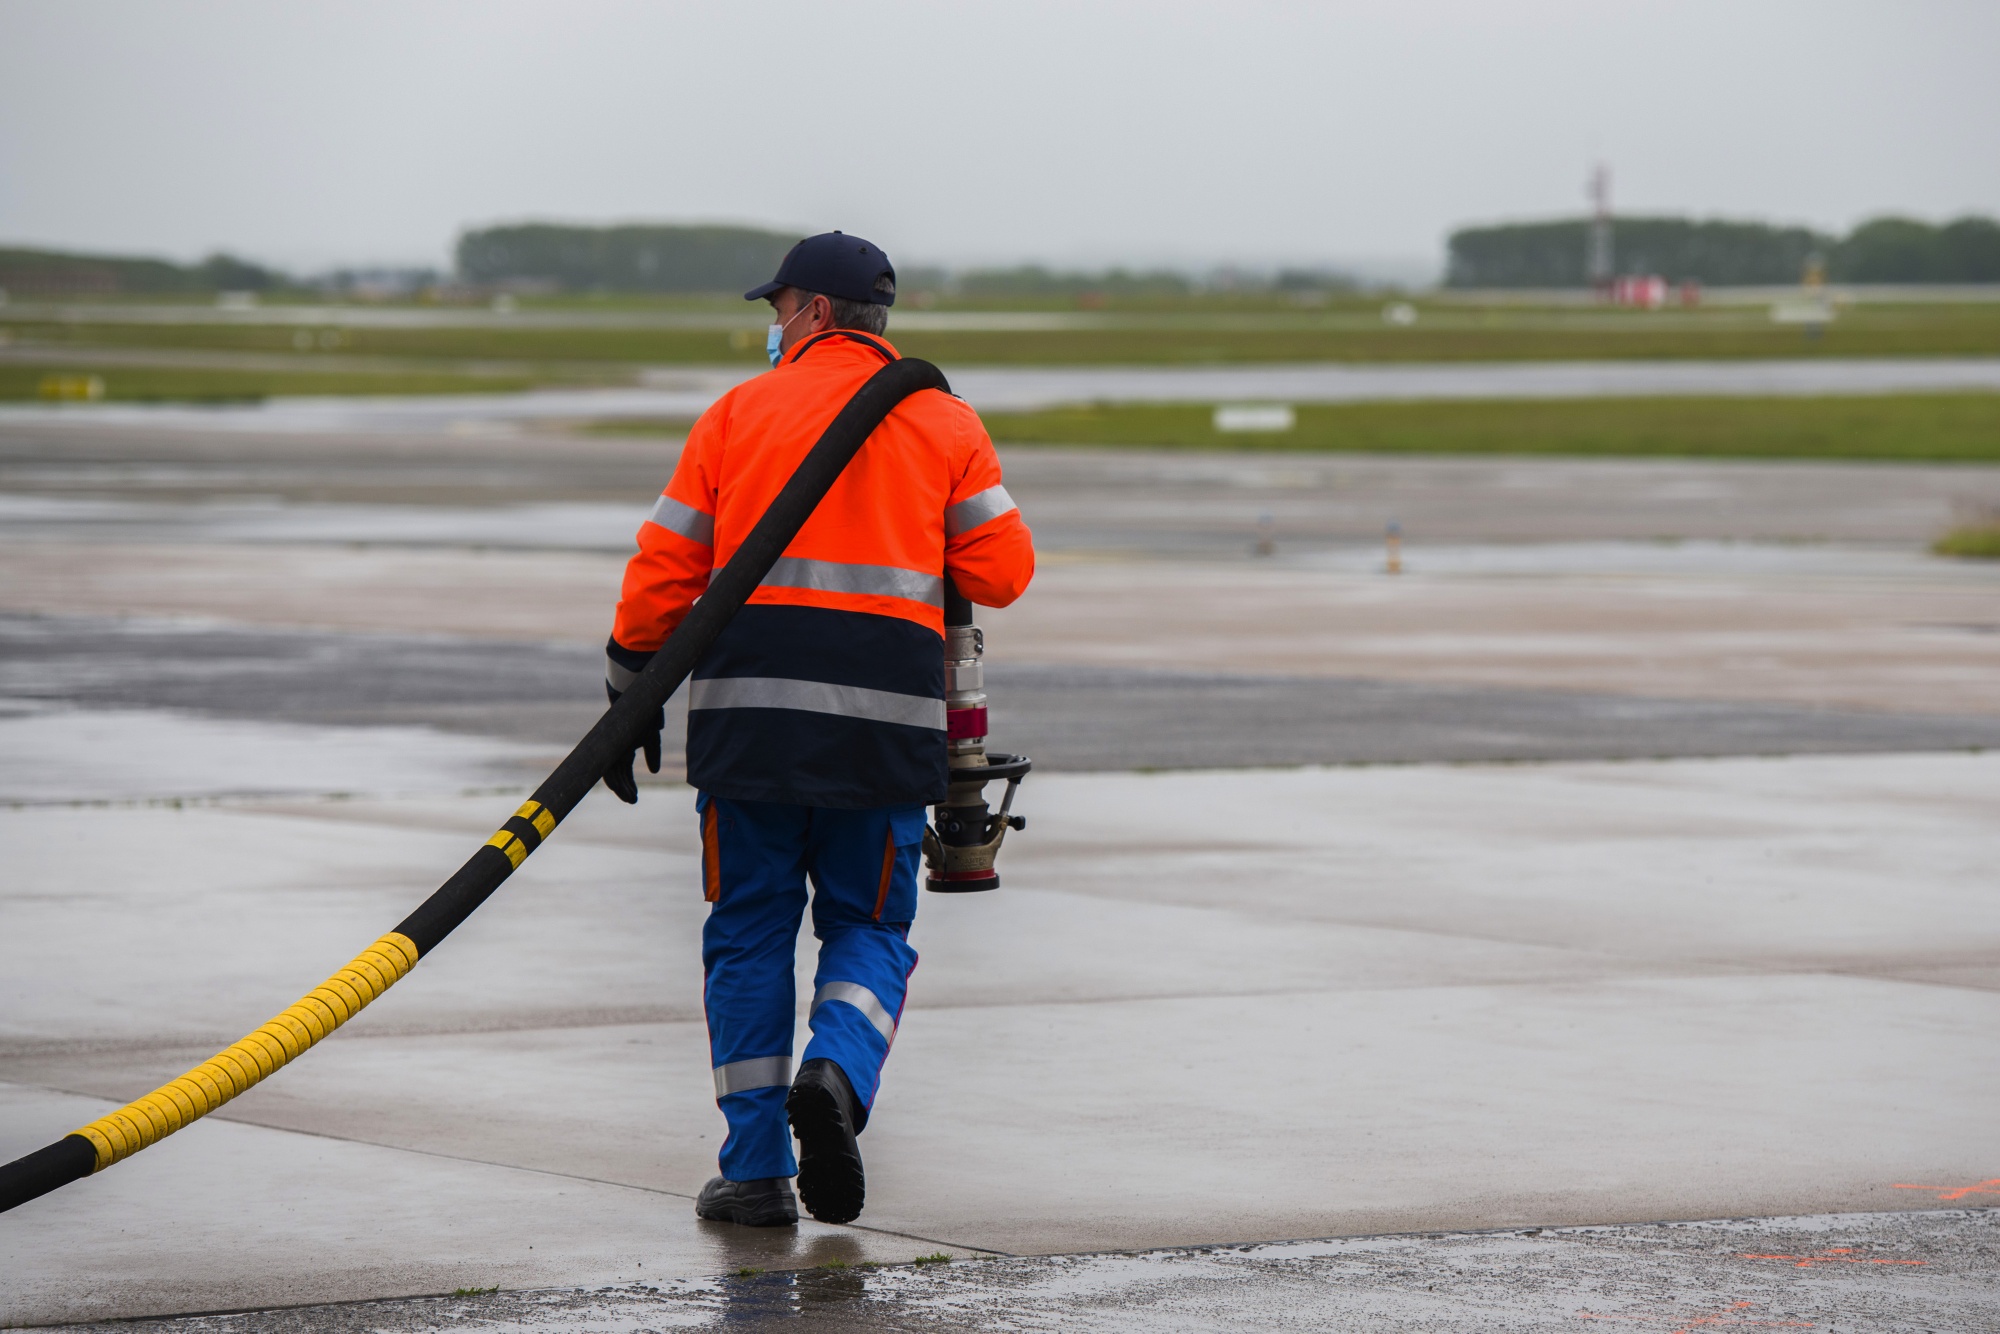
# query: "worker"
[[816, 723]]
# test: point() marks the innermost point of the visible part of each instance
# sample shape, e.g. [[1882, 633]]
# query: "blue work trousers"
[[756, 859]]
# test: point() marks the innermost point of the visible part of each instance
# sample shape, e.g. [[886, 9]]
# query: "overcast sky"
[[310, 134]]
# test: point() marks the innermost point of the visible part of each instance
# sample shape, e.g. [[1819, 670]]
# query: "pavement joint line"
[[248, 799], [1698, 966], [1694, 966], [237, 1119], [508, 1167], [222, 1311], [445, 1296], [45, 1048], [1867, 976], [244, 800], [1522, 1230], [1703, 971], [135, 1046]]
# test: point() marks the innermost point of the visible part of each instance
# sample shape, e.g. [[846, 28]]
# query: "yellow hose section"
[[238, 1066]]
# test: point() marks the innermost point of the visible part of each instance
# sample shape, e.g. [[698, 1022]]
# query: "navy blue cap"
[[835, 264]]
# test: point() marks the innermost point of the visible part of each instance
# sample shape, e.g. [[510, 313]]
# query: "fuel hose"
[[242, 1064]]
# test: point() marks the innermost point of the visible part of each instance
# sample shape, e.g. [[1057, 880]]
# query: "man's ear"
[[822, 315]]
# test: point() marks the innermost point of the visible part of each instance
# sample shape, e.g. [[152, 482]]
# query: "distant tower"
[[1598, 260]]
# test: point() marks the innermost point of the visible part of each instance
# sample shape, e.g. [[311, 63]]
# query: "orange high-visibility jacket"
[[828, 687]]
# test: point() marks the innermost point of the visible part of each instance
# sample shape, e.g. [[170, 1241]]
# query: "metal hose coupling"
[[962, 845]]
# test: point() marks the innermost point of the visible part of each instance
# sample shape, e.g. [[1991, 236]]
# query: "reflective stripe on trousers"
[[759, 1072], [862, 999], [765, 855], [781, 692]]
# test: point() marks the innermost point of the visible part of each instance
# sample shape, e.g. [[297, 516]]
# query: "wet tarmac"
[[69, 480], [1068, 717], [1204, 1008], [1922, 1273], [263, 691]]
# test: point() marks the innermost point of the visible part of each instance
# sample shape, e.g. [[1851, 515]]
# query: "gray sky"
[[1169, 131]]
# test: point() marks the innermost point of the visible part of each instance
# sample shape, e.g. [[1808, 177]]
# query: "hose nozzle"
[[960, 848]]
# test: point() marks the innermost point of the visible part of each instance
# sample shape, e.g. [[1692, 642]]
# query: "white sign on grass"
[[1255, 417]]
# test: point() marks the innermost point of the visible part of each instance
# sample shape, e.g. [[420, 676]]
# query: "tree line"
[[636, 258], [1883, 250], [641, 258], [55, 273]]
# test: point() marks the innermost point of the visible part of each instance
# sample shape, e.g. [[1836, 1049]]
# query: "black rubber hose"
[[184, 1100], [957, 606], [68, 1159]]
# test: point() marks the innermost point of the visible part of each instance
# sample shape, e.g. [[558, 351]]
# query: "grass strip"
[[643, 426], [465, 343], [1978, 542], [1455, 335], [1170, 346], [1945, 427], [172, 384]]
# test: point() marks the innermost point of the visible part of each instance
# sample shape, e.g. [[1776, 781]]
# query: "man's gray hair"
[[860, 316]]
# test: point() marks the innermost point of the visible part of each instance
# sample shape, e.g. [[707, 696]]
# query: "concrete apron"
[[1207, 1007], [1846, 1272]]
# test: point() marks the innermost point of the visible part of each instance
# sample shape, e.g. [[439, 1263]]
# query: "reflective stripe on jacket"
[[828, 688]]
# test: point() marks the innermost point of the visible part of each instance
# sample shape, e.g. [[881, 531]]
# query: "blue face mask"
[[774, 336]]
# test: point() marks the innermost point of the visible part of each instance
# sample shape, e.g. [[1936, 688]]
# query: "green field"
[[1979, 542], [1453, 334], [1187, 333], [1944, 427], [175, 384], [645, 426], [530, 347], [206, 359]]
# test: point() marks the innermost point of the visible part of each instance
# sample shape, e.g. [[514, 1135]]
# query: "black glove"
[[619, 777]]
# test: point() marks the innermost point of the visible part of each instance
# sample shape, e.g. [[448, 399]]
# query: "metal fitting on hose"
[[964, 692], [960, 849]]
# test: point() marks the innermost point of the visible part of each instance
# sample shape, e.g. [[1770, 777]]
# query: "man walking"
[[816, 724]]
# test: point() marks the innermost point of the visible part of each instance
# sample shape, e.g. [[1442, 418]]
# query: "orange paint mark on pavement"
[[1726, 1316], [1990, 1186], [1839, 1255]]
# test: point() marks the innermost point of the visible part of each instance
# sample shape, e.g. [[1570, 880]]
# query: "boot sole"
[[830, 1184], [766, 1218]]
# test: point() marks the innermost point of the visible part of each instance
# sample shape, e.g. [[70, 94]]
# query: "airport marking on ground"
[[1990, 1186], [1726, 1316], [1839, 1255]]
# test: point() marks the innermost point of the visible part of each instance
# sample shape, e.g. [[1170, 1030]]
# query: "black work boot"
[[826, 1116], [766, 1203]]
